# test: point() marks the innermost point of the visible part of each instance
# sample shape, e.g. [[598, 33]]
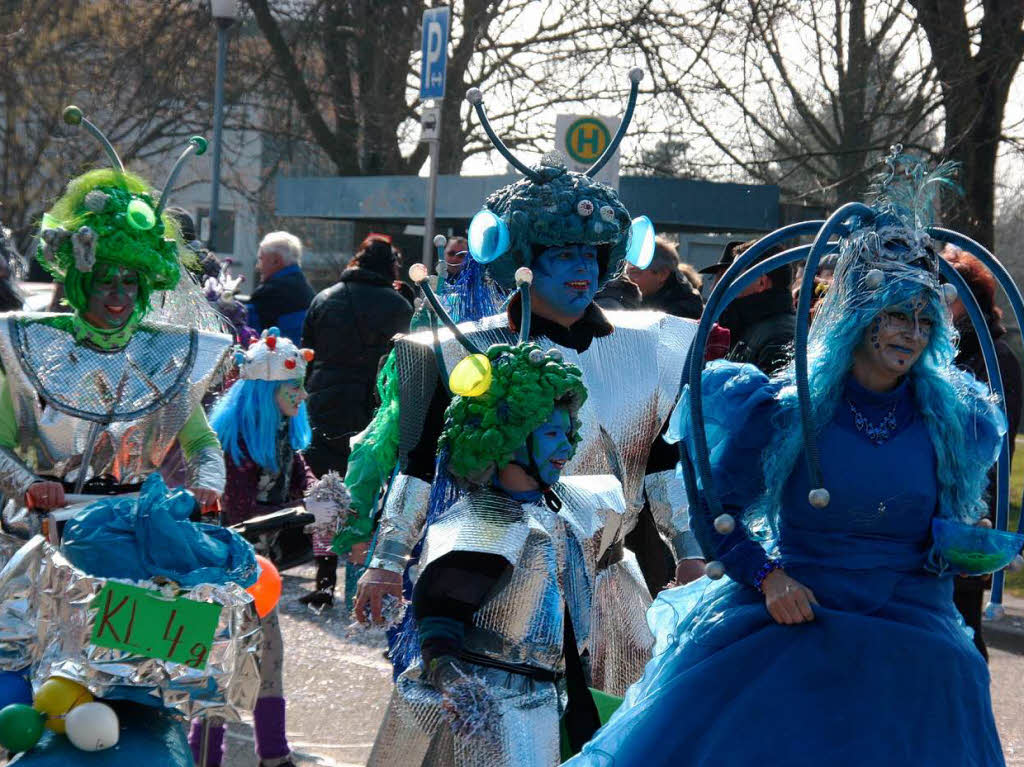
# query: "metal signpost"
[[432, 78]]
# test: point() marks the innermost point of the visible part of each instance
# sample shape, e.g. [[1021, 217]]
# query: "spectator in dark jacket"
[[283, 295], [969, 593], [761, 319], [663, 286], [349, 327]]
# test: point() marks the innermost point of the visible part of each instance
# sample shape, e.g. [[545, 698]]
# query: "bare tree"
[[976, 49], [803, 93], [351, 71], [136, 69]]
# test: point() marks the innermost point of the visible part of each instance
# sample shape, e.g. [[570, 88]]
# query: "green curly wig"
[[483, 433], [555, 212], [105, 201]]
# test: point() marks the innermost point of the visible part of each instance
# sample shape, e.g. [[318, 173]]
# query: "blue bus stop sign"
[[435, 53]]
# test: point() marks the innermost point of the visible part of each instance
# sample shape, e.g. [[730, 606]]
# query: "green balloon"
[[21, 727]]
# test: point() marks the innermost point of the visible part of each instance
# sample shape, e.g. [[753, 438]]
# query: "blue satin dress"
[[886, 674]]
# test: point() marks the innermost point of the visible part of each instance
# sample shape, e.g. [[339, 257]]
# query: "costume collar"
[[99, 338], [593, 324]]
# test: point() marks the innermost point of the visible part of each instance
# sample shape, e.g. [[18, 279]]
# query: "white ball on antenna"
[[725, 524], [417, 273], [949, 292], [818, 498], [874, 279], [714, 570], [524, 276], [474, 96], [636, 74], [440, 240]]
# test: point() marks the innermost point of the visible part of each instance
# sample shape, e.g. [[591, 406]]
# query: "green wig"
[[104, 220], [482, 433]]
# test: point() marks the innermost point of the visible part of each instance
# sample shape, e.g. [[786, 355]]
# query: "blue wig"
[[247, 420], [963, 420]]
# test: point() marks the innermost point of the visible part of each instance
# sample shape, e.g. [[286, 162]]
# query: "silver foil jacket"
[[521, 622], [46, 623], [131, 403], [633, 378]]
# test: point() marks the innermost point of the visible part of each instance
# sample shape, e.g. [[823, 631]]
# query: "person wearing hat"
[[493, 601], [98, 397], [761, 320], [571, 233]]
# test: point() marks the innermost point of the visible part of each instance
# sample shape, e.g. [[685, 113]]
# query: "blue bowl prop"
[[972, 550]]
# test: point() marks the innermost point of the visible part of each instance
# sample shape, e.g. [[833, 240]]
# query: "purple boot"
[[268, 727], [214, 745]]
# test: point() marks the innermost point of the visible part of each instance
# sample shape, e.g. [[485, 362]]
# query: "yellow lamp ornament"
[[471, 377]]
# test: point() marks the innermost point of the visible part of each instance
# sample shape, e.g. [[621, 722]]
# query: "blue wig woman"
[[831, 640]]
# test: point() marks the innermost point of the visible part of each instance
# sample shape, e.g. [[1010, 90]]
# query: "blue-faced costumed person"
[[833, 639], [498, 573], [574, 233]]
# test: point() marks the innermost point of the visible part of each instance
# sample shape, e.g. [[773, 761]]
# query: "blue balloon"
[[640, 252], [488, 237], [14, 688]]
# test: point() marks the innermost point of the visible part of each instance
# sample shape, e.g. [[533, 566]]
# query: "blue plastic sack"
[[149, 536]]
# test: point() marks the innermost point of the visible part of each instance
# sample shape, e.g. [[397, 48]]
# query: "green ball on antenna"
[[72, 115], [200, 143]]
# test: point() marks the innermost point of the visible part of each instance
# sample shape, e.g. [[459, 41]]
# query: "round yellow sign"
[[586, 139]]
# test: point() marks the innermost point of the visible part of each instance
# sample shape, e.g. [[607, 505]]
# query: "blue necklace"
[[877, 433]]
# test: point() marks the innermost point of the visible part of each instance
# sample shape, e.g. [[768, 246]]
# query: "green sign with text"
[[145, 623]]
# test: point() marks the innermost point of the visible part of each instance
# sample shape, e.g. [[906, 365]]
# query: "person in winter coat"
[[969, 592], [349, 326], [761, 319], [283, 295], [663, 286]]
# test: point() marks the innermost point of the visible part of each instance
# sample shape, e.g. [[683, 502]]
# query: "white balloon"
[[92, 727]]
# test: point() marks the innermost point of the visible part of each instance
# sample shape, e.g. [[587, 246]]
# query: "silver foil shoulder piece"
[[45, 618], [15, 476], [401, 523], [483, 522]]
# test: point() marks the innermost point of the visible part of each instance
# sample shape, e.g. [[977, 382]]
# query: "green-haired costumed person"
[[573, 233], [499, 571], [92, 401]]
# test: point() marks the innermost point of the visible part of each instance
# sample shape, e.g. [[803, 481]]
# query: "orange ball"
[[266, 591]]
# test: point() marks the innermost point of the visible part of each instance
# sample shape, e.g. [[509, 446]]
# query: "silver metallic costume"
[[521, 623], [119, 412], [632, 377]]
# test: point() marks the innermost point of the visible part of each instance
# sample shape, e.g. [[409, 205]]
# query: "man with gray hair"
[[283, 295]]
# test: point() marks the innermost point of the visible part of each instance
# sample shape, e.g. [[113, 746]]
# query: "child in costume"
[[261, 422], [574, 233], [94, 400], [493, 599]]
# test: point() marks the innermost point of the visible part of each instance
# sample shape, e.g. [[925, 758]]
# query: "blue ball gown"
[[886, 674]]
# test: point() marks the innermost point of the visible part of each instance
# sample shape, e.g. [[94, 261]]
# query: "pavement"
[[338, 683]]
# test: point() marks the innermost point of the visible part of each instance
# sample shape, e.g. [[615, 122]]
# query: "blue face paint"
[[551, 447], [566, 277]]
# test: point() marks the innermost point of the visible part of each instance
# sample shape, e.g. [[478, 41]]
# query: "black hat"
[[728, 256]]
